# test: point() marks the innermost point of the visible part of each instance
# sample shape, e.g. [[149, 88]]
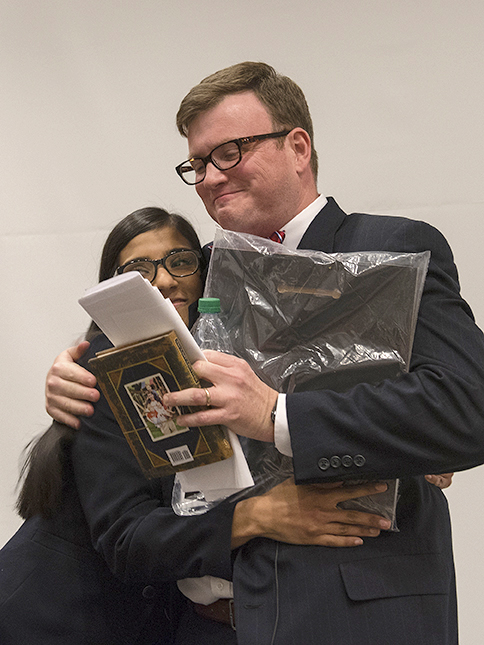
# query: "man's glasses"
[[179, 264], [224, 157]]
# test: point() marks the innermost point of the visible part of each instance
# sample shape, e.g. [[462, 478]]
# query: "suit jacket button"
[[335, 461], [359, 460], [148, 592], [323, 463], [347, 461]]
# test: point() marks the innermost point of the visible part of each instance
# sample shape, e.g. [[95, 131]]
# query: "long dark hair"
[[42, 473]]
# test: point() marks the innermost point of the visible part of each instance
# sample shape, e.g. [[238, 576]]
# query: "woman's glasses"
[[179, 264]]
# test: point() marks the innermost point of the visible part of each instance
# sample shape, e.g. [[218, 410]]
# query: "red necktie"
[[278, 236]]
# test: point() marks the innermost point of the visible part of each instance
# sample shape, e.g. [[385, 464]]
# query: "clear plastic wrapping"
[[308, 320]]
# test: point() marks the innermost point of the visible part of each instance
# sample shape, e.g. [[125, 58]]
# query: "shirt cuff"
[[282, 438], [206, 590]]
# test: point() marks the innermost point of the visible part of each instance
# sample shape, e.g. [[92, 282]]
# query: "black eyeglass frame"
[[162, 261], [209, 159]]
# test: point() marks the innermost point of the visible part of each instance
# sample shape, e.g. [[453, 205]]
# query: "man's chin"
[[238, 221]]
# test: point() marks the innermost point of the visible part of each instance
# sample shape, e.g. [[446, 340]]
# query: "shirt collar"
[[296, 227]]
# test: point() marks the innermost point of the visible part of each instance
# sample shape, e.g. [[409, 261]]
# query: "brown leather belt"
[[222, 611]]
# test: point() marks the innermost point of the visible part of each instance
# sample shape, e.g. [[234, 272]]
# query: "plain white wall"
[[89, 94]]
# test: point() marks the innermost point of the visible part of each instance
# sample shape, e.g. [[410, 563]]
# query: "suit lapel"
[[322, 230]]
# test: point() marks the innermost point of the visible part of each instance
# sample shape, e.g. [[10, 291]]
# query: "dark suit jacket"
[[398, 588], [102, 571]]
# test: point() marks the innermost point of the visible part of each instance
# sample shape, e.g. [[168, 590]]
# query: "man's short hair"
[[281, 96]]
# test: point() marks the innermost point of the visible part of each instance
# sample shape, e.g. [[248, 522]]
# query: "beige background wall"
[[88, 95]]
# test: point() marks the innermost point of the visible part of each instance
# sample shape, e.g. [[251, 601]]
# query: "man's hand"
[[442, 481], [240, 401], [307, 514], [238, 398], [69, 388]]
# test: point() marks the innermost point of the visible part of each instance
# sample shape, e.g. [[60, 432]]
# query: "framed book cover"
[[134, 379]]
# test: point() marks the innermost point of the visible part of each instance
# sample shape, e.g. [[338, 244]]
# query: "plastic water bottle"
[[209, 333], [209, 330]]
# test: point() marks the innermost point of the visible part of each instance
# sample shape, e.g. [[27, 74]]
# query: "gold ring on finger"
[[208, 402]]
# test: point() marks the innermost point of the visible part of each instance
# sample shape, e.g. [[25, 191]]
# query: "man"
[[400, 587]]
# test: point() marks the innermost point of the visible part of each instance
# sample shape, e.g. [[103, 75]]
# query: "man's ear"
[[300, 142]]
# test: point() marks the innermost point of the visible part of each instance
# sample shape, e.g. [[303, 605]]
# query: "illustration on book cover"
[[147, 397]]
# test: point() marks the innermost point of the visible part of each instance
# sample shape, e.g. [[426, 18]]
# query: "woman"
[[54, 587]]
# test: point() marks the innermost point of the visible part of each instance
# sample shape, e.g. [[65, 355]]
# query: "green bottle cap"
[[209, 305]]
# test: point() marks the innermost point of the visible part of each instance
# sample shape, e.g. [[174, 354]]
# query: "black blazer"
[[102, 571], [55, 589], [398, 588]]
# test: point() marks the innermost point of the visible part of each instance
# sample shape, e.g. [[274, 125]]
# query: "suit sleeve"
[[131, 522], [430, 420]]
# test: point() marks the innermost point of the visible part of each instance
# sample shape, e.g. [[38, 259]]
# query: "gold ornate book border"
[[133, 379]]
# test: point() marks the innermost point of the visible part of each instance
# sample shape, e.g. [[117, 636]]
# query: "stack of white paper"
[[129, 309]]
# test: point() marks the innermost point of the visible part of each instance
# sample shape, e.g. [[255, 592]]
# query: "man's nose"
[[213, 175]]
